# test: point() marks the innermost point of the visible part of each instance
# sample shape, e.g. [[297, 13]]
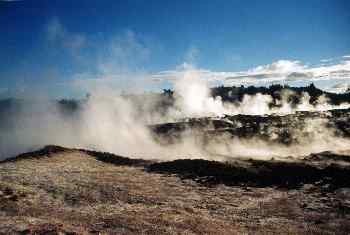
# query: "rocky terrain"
[[285, 129], [68, 191]]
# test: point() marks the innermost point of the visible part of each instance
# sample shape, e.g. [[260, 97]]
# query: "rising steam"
[[194, 100], [110, 122]]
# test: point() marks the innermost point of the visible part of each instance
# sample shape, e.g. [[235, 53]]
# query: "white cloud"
[[326, 60], [280, 66], [281, 71], [346, 57], [340, 87]]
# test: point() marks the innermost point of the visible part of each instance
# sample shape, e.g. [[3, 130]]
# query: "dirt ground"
[[76, 192]]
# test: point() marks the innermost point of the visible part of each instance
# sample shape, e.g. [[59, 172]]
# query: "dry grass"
[[72, 192]]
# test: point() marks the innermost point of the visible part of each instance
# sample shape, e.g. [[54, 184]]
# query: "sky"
[[66, 48]]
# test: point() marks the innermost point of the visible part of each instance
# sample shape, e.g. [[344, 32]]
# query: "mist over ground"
[[123, 124]]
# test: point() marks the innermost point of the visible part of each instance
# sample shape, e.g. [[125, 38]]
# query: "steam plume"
[[111, 122]]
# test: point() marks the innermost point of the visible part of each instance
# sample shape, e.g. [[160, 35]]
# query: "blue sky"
[[47, 44]]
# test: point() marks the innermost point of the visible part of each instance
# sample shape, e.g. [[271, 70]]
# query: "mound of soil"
[[68, 191]]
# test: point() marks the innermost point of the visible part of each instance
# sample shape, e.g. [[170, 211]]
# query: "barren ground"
[[64, 191]]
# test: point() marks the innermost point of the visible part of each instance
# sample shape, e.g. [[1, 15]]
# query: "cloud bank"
[[281, 71]]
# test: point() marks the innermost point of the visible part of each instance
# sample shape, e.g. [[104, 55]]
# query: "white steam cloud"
[[193, 99], [109, 122]]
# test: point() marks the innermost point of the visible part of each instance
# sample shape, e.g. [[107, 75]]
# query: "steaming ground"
[[112, 125], [281, 168], [122, 125]]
